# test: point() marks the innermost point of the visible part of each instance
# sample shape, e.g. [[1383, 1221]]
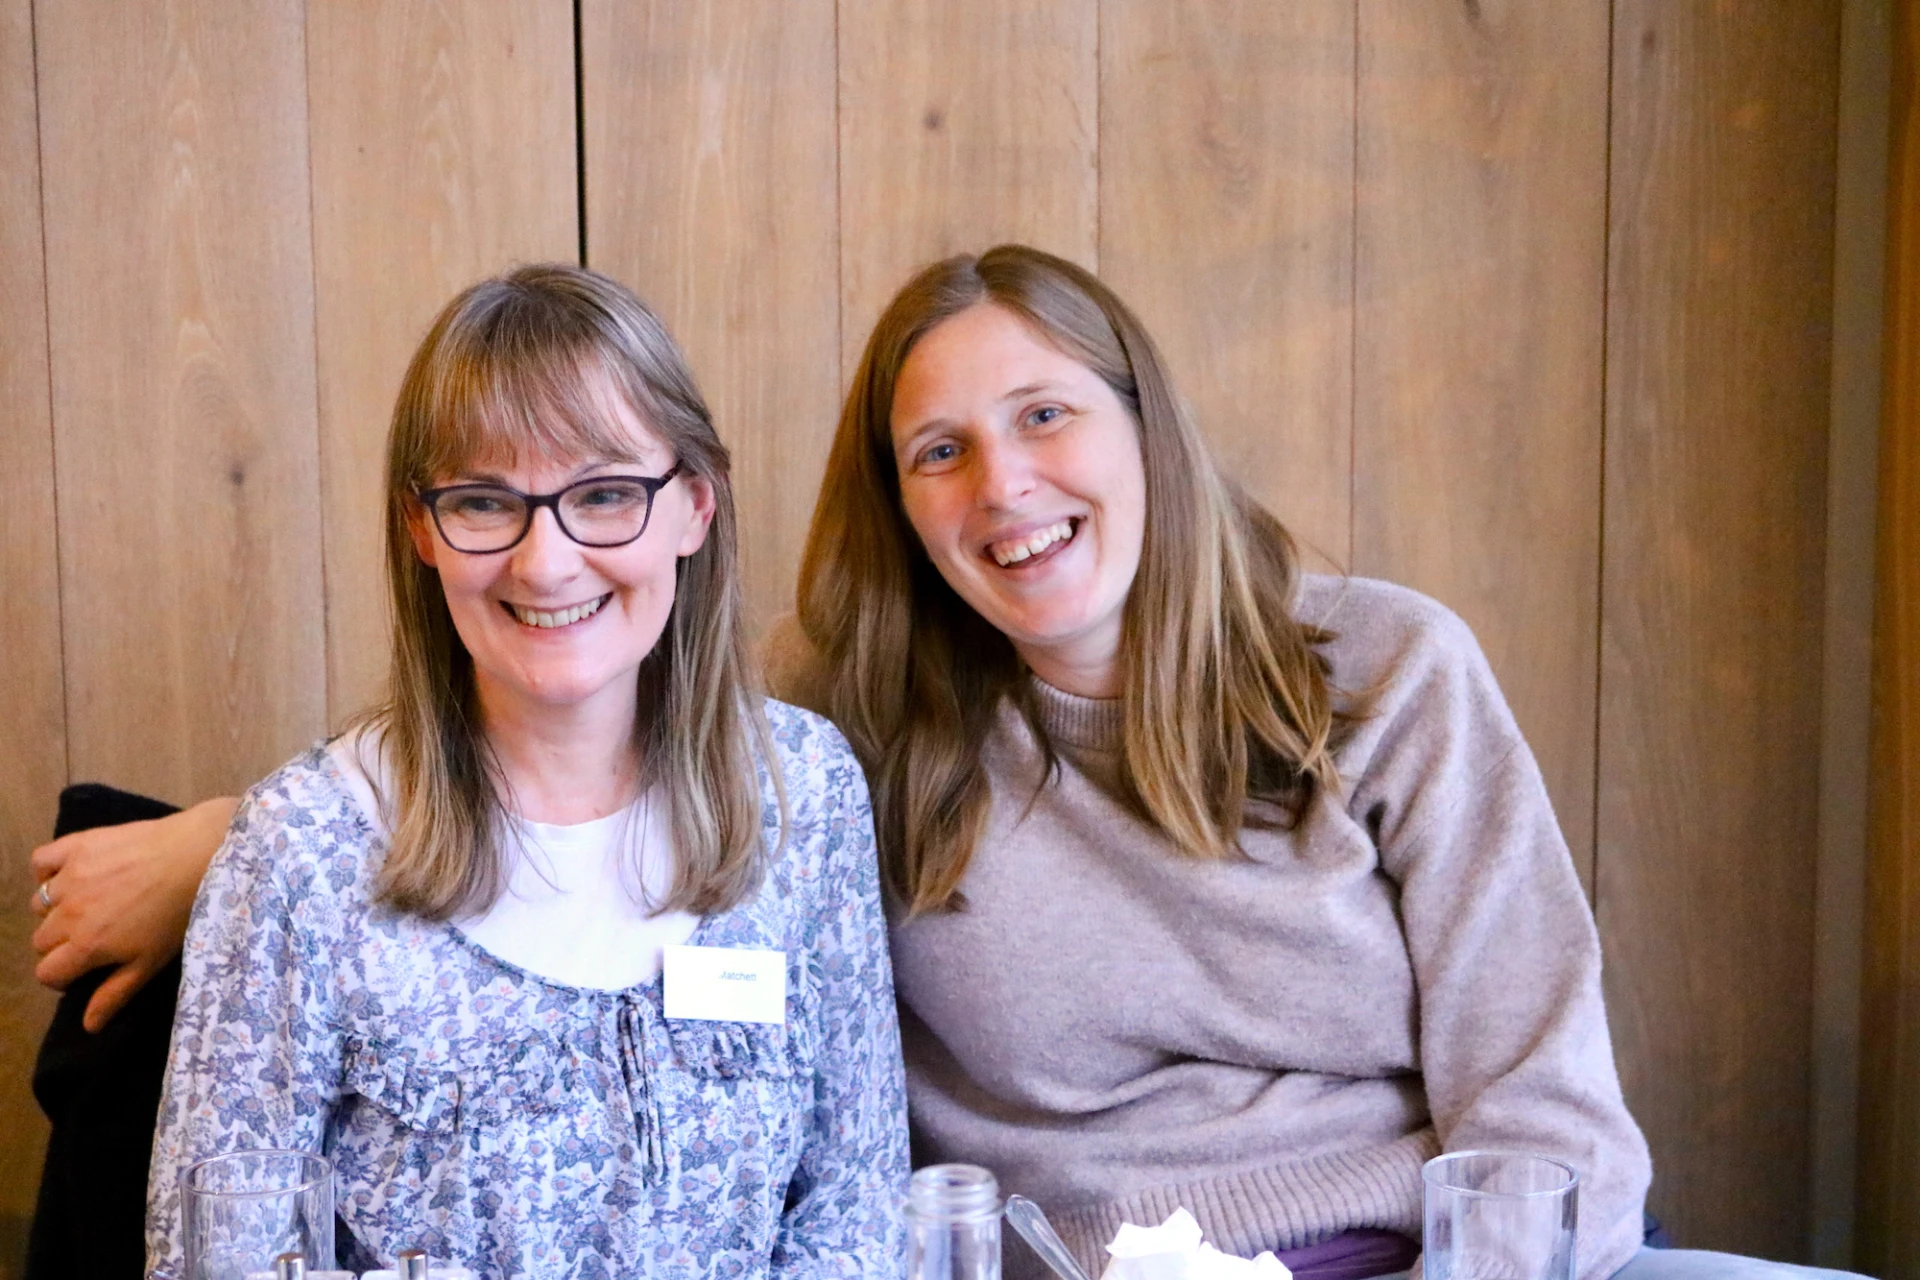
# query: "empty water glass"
[[1499, 1215], [241, 1212], [953, 1223]]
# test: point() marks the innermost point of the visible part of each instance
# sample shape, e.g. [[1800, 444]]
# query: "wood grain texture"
[[443, 151], [1846, 695], [961, 126], [710, 189], [1480, 249], [179, 273], [1717, 408], [33, 740], [1889, 1195], [1226, 222]]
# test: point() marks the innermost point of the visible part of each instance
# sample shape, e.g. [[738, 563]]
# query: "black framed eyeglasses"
[[601, 511]]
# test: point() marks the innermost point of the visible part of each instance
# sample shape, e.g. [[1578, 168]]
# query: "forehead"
[[975, 358], [548, 429]]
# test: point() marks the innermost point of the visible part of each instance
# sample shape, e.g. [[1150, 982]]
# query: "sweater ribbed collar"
[[1089, 723]]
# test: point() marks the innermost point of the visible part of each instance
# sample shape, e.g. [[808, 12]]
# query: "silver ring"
[[46, 899]]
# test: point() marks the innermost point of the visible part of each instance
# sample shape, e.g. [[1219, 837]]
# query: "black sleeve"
[[101, 1093]]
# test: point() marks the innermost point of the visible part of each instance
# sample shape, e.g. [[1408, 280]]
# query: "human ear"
[[420, 527], [693, 533]]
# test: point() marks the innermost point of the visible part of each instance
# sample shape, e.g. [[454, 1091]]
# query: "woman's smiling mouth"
[[547, 619], [1033, 546]]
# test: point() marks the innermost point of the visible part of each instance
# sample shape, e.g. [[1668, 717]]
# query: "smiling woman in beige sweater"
[[1214, 885]]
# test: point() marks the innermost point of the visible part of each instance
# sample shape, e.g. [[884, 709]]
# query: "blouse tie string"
[[636, 1065]]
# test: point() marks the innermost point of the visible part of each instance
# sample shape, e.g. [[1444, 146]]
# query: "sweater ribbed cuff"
[[1282, 1206]]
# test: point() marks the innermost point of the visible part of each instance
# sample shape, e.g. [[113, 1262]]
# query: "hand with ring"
[[125, 895]]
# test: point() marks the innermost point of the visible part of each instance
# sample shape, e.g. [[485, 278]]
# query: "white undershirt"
[[572, 910]]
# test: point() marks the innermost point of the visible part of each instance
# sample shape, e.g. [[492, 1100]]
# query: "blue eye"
[[476, 503], [610, 495], [1045, 414], [939, 453]]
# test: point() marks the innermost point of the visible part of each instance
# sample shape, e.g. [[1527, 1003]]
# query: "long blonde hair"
[[1228, 716], [522, 364]]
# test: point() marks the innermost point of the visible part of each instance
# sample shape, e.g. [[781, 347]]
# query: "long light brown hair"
[[1229, 719], [518, 365]]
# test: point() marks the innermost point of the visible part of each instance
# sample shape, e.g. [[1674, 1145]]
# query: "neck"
[[1085, 671], [563, 765]]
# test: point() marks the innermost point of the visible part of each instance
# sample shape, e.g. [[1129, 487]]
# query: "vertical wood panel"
[[179, 272], [961, 126], [1889, 1206], [710, 189], [1480, 246], [1226, 221], [1718, 355], [443, 151], [1846, 694], [33, 743]]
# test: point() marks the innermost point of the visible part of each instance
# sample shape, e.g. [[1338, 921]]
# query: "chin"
[[560, 690]]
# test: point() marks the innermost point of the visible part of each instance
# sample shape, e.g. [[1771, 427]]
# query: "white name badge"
[[724, 984]]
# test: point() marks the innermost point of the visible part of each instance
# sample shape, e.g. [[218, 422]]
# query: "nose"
[[546, 556], [1003, 474]]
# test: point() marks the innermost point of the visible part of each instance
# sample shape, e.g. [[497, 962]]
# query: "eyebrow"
[[468, 476], [1045, 384], [942, 424]]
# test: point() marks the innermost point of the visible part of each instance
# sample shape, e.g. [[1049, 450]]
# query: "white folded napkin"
[[1174, 1251]]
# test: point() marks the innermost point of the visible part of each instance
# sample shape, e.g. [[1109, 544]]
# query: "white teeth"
[[1006, 553], [565, 617]]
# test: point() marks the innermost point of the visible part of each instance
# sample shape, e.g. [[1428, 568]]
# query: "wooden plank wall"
[[1711, 608], [1467, 293], [180, 326], [33, 715], [1890, 1052]]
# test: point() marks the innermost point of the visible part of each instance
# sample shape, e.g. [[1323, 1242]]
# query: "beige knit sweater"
[[1276, 1042]]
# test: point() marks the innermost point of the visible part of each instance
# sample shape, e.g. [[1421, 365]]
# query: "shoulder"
[[1411, 666], [299, 827], [828, 839], [805, 740], [1381, 625], [1382, 639], [824, 782], [303, 794]]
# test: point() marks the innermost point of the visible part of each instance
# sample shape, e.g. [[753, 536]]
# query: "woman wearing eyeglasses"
[[570, 955]]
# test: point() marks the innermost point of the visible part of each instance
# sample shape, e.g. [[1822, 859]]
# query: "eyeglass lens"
[[597, 513]]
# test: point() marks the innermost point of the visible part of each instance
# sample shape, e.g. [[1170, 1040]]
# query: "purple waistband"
[[1352, 1255]]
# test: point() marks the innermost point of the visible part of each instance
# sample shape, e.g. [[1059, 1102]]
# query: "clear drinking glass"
[[953, 1224], [240, 1212], [1499, 1215]]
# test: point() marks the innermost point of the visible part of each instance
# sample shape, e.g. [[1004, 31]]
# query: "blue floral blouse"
[[522, 1127]]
